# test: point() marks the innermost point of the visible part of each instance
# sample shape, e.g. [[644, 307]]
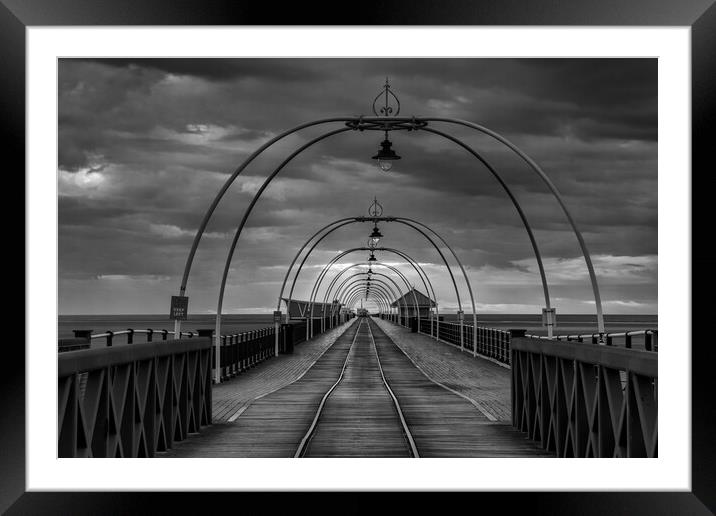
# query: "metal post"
[[177, 329], [217, 348], [461, 317], [276, 327]]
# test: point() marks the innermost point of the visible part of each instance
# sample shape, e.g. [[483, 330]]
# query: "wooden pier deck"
[[358, 417]]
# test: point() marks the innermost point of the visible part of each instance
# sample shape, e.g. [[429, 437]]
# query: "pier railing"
[[138, 399], [491, 342], [582, 400], [132, 401]]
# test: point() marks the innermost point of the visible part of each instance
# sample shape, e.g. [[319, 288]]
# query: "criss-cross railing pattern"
[[132, 401], [582, 400]]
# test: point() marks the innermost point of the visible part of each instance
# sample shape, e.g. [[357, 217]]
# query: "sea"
[[237, 323]]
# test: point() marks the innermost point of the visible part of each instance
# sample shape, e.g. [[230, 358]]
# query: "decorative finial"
[[376, 209], [386, 109]]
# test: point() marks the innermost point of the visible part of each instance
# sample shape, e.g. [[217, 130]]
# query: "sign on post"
[[179, 308], [549, 317], [460, 316], [277, 316]]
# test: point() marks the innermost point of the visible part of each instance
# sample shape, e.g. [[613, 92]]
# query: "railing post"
[[164, 334], [204, 332], [110, 334], [150, 333], [130, 336], [513, 333]]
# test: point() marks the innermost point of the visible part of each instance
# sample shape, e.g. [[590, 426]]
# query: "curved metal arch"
[[437, 248], [293, 262], [229, 181], [359, 264], [412, 262], [376, 298], [239, 229], [518, 207], [553, 189], [378, 281], [354, 124], [383, 288], [355, 277], [372, 297], [418, 269], [390, 267], [359, 290], [335, 279]]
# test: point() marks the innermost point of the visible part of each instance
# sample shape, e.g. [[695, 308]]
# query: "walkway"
[[231, 398], [486, 383], [443, 423]]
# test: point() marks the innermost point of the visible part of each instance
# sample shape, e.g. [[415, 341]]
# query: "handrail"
[[633, 333]]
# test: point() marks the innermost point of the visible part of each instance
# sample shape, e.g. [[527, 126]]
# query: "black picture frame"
[[700, 15]]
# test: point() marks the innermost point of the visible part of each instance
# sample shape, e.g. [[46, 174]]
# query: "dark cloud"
[[144, 145]]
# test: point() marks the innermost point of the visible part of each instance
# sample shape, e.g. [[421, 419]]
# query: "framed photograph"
[[498, 282]]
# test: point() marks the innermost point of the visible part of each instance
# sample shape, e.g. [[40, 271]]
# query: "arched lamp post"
[[387, 120]]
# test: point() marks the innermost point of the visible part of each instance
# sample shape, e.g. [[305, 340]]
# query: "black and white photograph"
[[276, 254], [357, 257]]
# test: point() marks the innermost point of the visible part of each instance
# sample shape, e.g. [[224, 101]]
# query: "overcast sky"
[[145, 145]]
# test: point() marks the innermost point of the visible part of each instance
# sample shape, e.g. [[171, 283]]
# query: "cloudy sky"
[[145, 145]]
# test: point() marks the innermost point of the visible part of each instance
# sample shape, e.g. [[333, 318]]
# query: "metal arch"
[[335, 279], [380, 286], [356, 284], [447, 265], [378, 281], [412, 262], [356, 296], [409, 222], [390, 267], [538, 170], [293, 262], [347, 283], [232, 178], [516, 204], [417, 268], [355, 124], [337, 276], [421, 273], [401, 220], [375, 297], [372, 297], [240, 228], [362, 283], [358, 219], [360, 290], [400, 275]]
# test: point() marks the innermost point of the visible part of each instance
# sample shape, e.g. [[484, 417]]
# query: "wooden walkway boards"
[[230, 398], [442, 423], [273, 425], [358, 418], [483, 381]]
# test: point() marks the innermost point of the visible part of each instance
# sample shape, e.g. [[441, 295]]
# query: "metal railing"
[[136, 400], [132, 401], [494, 343], [581, 400], [650, 338]]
